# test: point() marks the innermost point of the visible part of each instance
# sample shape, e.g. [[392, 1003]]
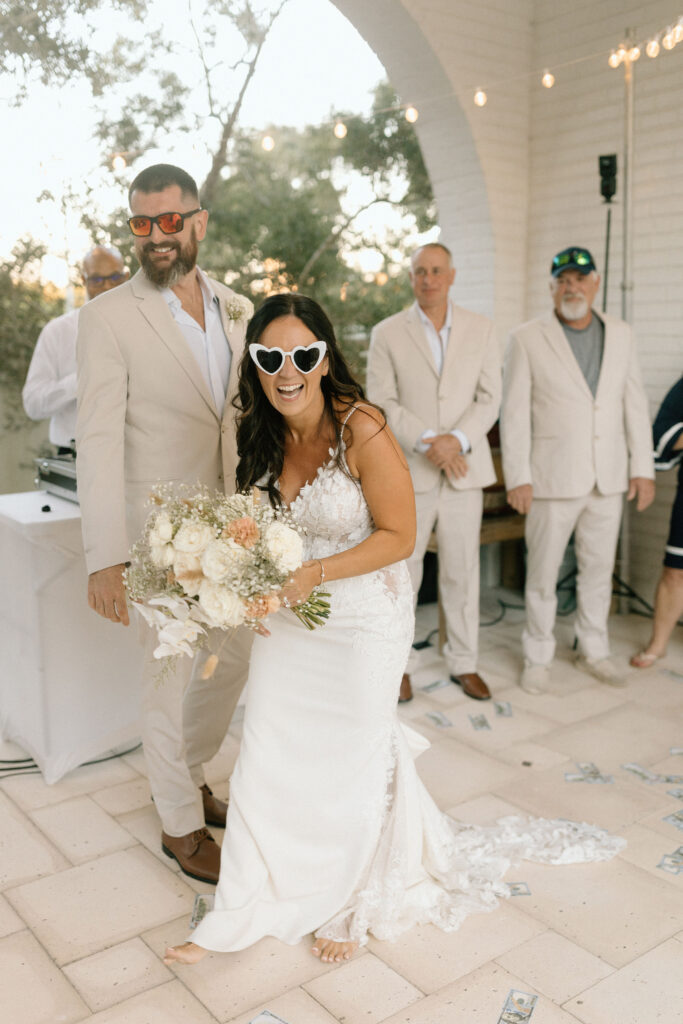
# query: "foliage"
[[25, 308]]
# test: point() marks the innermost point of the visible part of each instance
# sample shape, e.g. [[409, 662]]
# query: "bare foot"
[[645, 659], [331, 951], [187, 953]]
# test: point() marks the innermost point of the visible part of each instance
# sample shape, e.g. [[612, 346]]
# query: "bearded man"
[[575, 435], [157, 369]]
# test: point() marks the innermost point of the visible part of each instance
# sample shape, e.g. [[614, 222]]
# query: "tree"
[[25, 308]]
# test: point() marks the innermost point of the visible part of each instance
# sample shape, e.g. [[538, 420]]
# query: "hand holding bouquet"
[[210, 561]]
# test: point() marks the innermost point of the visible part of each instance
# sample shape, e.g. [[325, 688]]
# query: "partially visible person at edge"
[[435, 369], [575, 436], [157, 369], [50, 388], [668, 438], [329, 828]]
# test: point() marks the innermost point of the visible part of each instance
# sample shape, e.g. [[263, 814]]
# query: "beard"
[[574, 309], [166, 275]]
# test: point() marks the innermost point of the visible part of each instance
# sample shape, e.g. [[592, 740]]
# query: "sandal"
[[644, 660]]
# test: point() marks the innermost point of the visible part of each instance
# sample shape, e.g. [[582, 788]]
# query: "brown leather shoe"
[[215, 810], [472, 685], [198, 854], [406, 692]]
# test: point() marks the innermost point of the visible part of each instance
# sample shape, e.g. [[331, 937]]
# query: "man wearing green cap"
[[575, 435]]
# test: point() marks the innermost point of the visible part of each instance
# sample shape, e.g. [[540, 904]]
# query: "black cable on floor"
[[27, 766]]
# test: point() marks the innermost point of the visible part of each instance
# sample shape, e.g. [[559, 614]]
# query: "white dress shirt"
[[50, 388], [209, 346], [438, 343]]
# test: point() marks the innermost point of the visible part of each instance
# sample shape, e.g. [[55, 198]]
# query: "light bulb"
[[614, 60], [411, 114], [652, 48], [268, 143], [119, 162], [634, 53], [678, 32], [668, 41], [340, 130], [480, 98], [621, 52], [548, 79], [382, 278]]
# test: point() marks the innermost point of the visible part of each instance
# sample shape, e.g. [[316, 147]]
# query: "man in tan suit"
[[435, 370], [157, 368], [575, 436]]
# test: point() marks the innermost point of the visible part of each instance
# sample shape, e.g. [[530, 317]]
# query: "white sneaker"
[[602, 669], [534, 678]]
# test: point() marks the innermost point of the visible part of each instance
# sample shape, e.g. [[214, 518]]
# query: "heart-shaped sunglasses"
[[305, 357]]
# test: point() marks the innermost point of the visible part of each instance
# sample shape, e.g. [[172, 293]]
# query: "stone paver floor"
[[88, 900]]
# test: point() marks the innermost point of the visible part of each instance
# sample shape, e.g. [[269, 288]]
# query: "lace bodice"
[[333, 510]]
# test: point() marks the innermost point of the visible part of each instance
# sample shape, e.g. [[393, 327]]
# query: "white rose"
[[162, 531], [161, 554], [223, 606], [193, 536], [284, 546], [188, 572], [221, 557]]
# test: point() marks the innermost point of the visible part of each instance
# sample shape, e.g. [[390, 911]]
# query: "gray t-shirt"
[[587, 346]]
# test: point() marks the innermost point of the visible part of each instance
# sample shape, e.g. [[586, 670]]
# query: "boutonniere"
[[237, 310]]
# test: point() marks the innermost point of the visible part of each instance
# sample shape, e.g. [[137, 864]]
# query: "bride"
[[329, 828]]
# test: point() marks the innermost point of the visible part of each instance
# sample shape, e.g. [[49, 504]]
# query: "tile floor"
[[88, 900]]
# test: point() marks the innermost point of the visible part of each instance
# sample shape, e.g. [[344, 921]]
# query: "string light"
[[268, 143], [480, 98], [668, 40], [548, 79], [614, 60], [118, 162], [411, 114], [634, 53], [652, 48], [340, 130], [678, 31]]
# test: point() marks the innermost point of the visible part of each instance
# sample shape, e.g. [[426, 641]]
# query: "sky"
[[302, 75]]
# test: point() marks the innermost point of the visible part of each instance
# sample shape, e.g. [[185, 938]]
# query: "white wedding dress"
[[329, 828]]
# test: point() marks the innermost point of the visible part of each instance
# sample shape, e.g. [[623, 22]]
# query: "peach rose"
[[259, 607], [243, 531]]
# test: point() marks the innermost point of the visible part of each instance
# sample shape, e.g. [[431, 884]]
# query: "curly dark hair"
[[260, 427]]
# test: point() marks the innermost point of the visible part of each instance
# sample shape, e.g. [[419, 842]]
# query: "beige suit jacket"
[[554, 434], [145, 414], [403, 379]]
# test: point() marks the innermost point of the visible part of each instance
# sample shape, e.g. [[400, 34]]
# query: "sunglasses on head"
[[169, 223], [581, 257], [103, 279], [305, 357]]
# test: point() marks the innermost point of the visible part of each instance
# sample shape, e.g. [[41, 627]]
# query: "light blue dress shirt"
[[438, 343]]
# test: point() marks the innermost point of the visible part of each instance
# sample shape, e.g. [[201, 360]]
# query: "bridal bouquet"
[[210, 561]]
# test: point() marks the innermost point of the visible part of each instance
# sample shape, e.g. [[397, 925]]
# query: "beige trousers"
[[594, 520], [185, 719], [456, 515]]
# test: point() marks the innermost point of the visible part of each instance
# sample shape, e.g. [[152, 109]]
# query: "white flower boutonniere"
[[238, 310]]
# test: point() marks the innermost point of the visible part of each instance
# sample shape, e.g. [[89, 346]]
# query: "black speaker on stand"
[[608, 185]]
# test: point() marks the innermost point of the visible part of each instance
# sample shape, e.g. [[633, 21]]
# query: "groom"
[[157, 369]]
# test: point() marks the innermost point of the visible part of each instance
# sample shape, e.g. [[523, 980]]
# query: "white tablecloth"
[[69, 680]]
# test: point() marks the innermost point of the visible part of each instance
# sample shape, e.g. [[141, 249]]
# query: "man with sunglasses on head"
[[50, 388], [157, 364], [575, 435]]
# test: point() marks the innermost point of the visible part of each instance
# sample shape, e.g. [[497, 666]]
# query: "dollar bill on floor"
[[678, 793], [439, 719], [266, 1017], [203, 903], [438, 684], [518, 1007], [675, 819], [643, 773], [676, 750], [671, 780], [503, 707], [672, 862], [479, 722], [519, 889], [589, 772]]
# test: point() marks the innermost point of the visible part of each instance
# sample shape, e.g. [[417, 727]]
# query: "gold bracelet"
[[322, 572]]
